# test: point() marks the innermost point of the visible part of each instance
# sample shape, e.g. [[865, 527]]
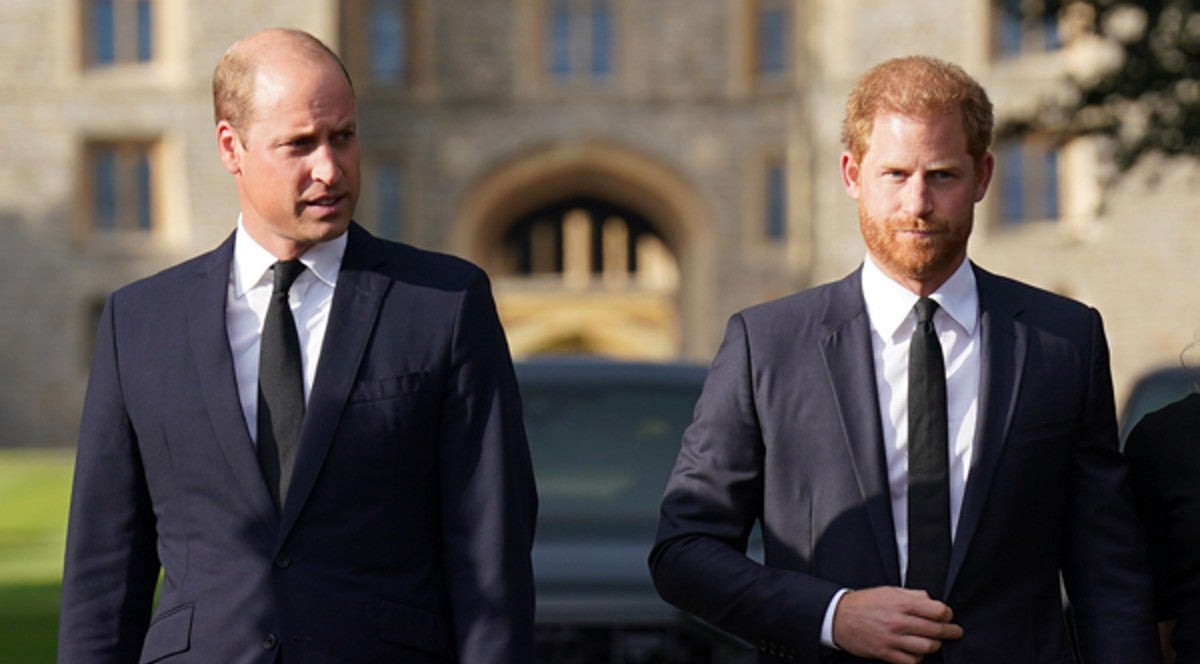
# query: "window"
[[121, 179], [390, 199], [772, 36], [592, 428], [579, 39], [775, 201], [1023, 27], [388, 27], [118, 31], [1028, 178], [385, 43]]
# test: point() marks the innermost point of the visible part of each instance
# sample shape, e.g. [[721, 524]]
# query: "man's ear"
[[851, 174], [986, 165], [229, 147]]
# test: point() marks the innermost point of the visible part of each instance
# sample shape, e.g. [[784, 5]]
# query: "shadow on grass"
[[28, 622]]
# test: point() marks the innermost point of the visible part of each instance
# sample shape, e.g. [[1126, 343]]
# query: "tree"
[[1136, 79]]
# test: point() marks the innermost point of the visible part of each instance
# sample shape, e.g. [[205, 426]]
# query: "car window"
[[602, 453]]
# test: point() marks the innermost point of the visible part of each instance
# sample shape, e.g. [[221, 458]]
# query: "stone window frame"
[[128, 38]]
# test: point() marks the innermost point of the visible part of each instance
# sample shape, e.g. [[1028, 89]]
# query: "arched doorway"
[[583, 239], [586, 246]]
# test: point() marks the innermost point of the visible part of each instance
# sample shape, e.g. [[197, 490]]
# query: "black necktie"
[[928, 473], [280, 385]]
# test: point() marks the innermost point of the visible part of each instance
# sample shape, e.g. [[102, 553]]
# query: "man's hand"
[[892, 624]]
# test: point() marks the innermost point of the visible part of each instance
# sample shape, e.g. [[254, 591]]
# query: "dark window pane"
[[1051, 183], [1050, 31], [145, 209], [389, 40], [772, 41], [104, 188], [602, 37], [1019, 30], [1012, 195], [559, 28], [122, 186], [1028, 181], [390, 192], [776, 202], [144, 31], [102, 27], [1008, 30]]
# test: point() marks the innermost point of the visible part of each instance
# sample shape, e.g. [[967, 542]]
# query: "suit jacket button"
[[269, 642], [283, 562]]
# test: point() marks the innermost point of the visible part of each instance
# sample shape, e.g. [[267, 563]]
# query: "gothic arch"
[[616, 173]]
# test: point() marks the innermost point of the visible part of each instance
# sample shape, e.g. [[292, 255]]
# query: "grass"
[[34, 493]]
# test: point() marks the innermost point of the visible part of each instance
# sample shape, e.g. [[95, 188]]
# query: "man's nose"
[[916, 199], [325, 168]]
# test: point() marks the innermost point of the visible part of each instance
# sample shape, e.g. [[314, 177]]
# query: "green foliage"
[[34, 492], [1140, 87], [28, 622]]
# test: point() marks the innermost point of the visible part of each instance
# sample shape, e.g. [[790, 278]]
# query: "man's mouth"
[[325, 201], [918, 227], [327, 204]]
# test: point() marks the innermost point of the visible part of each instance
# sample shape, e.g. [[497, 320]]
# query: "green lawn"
[[34, 492]]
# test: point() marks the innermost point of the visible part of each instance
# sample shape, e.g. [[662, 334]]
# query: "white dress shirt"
[[250, 286], [892, 319]]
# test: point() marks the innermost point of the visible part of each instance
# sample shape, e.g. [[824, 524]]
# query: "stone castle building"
[[630, 172]]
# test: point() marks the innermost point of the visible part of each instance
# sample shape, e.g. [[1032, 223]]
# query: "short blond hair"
[[917, 85], [233, 78]]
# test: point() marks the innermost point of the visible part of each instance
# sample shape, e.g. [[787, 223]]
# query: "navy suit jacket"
[[788, 433], [406, 532]]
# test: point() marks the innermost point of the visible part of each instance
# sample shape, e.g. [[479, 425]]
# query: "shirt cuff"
[[827, 624]]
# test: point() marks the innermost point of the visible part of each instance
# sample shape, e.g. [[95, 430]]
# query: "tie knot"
[[925, 309], [286, 273]]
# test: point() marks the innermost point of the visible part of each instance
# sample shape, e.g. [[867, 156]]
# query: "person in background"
[[925, 445], [314, 435], [1164, 458]]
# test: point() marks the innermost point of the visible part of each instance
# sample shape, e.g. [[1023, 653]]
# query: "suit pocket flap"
[[416, 628], [375, 389], [170, 633]]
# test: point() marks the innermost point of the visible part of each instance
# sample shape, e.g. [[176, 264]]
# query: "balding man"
[[313, 435]]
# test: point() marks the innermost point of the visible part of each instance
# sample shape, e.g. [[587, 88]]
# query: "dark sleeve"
[[1144, 451], [489, 502], [1104, 559], [110, 564], [711, 503]]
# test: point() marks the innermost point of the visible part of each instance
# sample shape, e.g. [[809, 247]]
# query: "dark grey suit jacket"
[[788, 433], [406, 532]]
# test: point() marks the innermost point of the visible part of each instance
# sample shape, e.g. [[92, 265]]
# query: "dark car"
[[1154, 390], [604, 436]]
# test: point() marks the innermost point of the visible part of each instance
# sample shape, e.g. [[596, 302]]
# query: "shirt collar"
[[251, 261], [889, 304]]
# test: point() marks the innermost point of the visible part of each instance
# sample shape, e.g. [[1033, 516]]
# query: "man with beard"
[[927, 447]]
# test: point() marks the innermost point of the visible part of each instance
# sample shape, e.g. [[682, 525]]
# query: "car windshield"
[[602, 453]]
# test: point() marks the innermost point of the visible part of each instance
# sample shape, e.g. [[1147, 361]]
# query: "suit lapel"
[[846, 343], [209, 341], [1003, 342], [355, 307]]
